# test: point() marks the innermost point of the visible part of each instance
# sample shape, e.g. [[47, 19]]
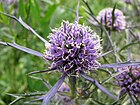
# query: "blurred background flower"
[[129, 80], [62, 96], [128, 1], [112, 19]]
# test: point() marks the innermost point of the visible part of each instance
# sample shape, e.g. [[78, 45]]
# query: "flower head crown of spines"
[[73, 47], [112, 19]]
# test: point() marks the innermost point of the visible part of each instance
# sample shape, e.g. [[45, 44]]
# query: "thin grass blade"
[[16, 100], [106, 53], [86, 3], [113, 76], [77, 13], [113, 15], [130, 44]]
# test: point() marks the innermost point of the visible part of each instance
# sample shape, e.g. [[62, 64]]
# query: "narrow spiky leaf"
[[27, 50], [103, 89], [27, 27], [115, 65], [46, 98], [40, 71]]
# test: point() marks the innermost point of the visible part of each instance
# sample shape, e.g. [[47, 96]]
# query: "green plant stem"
[[72, 81], [128, 42]]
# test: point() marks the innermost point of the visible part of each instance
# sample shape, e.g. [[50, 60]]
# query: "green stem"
[[128, 42], [72, 81]]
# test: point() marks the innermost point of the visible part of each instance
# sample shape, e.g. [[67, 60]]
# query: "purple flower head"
[[129, 80], [73, 47], [112, 20]]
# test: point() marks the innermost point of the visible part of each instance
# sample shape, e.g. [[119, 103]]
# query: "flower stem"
[[72, 81]]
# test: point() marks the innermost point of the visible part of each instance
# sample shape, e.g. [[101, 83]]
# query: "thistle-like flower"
[[73, 47], [129, 80], [112, 19]]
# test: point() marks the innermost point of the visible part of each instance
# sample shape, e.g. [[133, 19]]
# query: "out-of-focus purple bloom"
[[136, 36], [62, 98], [64, 88], [73, 47], [129, 80], [9, 1], [112, 20], [128, 1]]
